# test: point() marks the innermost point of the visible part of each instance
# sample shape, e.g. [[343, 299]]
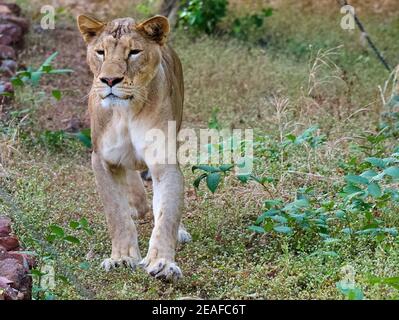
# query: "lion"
[[137, 87]]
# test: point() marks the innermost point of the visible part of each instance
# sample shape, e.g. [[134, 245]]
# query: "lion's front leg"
[[111, 185], [167, 206]]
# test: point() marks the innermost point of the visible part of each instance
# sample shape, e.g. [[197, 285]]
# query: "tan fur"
[[149, 95]]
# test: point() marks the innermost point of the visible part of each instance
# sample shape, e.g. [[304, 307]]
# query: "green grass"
[[249, 84]]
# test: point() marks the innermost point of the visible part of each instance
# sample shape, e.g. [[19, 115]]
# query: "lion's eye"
[[100, 52], [134, 52]]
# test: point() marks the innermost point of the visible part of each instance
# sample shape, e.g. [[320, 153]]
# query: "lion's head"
[[124, 56]]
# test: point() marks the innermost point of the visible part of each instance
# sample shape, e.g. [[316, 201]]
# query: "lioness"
[[137, 86]]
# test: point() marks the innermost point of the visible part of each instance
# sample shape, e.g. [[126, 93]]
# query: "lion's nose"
[[111, 81]]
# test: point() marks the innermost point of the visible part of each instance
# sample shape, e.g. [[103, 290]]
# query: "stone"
[[9, 243], [12, 7], [18, 284], [8, 67], [10, 33], [7, 52], [19, 21], [5, 226], [26, 259], [4, 9]]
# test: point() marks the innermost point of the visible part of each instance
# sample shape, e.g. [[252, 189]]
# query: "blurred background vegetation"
[[318, 217]]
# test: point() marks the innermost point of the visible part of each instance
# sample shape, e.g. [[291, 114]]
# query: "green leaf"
[[257, 229], [72, 239], [197, 181], [50, 59], [244, 178], [50, 238], [35, 77], [282, 229], [63, 279], [376, 162], [84, 265], [56, 94], [273, 203], [226, 167], [297, 204], [60, 71], [340, 214], [205, 168], [393, 172], [47, 69], [74, 224], [37, 273], [7, 94], [83, 222], [356, 179], [392, 281], [374, 190], [57, 230], [89, 231], [213, 180], [17, 82], [369, 174], [84, 137], [279, 219]]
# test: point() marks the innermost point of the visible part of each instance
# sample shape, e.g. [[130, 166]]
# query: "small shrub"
[[202, 15], [245, 27]]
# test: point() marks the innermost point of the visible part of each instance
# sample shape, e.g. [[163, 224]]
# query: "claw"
[[110, 263], [162, 269]]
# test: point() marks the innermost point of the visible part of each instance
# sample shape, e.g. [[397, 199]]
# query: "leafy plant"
[[32, 76], [244, 27], [45, 274], [55, 140], [202, 15]]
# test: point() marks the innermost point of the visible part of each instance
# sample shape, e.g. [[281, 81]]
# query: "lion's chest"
[[122, 143]]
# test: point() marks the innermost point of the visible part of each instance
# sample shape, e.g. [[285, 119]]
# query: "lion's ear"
[[156, 28], [89, 27]]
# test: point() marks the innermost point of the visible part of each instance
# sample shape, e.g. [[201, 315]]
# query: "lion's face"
[[123, 56]]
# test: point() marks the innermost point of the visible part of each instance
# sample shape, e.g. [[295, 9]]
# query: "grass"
[[264, 87]]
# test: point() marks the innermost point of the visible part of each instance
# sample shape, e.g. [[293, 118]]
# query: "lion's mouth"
[[113, 96]]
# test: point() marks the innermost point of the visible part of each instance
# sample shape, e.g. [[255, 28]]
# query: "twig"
[[364, 33]]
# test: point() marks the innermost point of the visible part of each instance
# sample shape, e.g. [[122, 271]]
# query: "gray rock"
[[8, 67], [7, 52], [10, 33]]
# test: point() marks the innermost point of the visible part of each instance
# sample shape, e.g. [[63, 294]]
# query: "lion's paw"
[[162, 269], [110, 263]]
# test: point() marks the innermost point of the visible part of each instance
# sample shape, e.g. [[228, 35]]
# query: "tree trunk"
[[169, 8]]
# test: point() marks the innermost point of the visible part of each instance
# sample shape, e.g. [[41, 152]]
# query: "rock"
[[10, 33], [7, 52], [15, 281], [6, 87], [18, 280], [8, 67], [12, 8], [5, 9], [26, 259], [9, 243], [19, 21], [5, 226], [13, 270]]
